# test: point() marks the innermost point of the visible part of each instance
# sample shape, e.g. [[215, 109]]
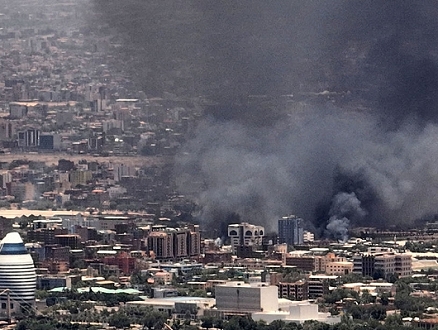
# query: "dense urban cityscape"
[[101, 230]]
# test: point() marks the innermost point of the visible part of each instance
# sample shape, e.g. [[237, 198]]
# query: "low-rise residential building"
[[298, 290], [382, 264], [319, 285], [163, 276], [303, 262], [336, 265], [179, 307], [374, 288]]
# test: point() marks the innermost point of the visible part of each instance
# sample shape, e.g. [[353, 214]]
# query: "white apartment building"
[[242, 297], [308, 236], [245, 234], [261, 302]]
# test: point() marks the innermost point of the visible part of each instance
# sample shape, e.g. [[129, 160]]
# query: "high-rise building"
[[80, 177], [290, 230], [160, 244], [176, 244], [121, 170], [17, 274]]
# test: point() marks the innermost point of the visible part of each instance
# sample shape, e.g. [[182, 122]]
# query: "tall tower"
[[290, 230], [17, 274]]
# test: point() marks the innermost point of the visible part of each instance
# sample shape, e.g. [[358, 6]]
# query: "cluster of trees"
[[83, 315], [154, 320], [340, 294], [364, 307], [245, 323], [147, 317], [72, 296], [44, 323], [410, 305], [120, 319], [422, 246]]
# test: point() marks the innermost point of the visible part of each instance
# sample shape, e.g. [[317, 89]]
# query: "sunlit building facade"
[[17, 274]]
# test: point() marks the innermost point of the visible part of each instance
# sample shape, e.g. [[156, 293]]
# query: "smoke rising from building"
[[360, 118], [345, 206]]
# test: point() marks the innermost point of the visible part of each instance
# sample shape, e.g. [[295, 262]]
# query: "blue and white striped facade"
[[17, 271]]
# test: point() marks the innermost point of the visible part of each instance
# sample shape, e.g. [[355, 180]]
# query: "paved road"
[[50, 159], [12, 214]]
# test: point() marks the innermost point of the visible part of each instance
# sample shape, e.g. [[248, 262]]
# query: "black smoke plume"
[[310, 100]]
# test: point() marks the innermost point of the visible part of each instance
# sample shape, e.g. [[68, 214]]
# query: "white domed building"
[[17, 274]]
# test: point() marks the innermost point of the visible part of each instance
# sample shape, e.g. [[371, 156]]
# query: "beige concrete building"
[[337, 265], [403, 264], [163, 277], [160, 244], [80, 177], [383, 264]]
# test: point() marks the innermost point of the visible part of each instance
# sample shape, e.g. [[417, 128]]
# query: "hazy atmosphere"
[[219, 164], [323, 109]]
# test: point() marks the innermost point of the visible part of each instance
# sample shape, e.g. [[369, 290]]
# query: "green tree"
[[276, 325], [367, 298], [207, 322], [68, 205], [240, 323], [339, 294], [393, 320], [153, 319], [119, 320], [384, 299], [377, 312], [315, 325], [198, 293], [218, 323], [392, 277], [352, 278]]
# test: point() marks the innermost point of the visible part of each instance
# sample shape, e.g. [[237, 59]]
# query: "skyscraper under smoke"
[[290, 230]]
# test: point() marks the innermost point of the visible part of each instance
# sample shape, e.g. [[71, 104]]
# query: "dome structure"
[[17, 271]]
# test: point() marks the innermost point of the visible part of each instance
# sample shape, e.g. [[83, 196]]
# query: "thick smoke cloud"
[[314, 101], [388, 49], [304, 165], [344, 207]]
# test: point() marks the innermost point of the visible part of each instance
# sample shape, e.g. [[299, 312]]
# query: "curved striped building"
[[17, 272]]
